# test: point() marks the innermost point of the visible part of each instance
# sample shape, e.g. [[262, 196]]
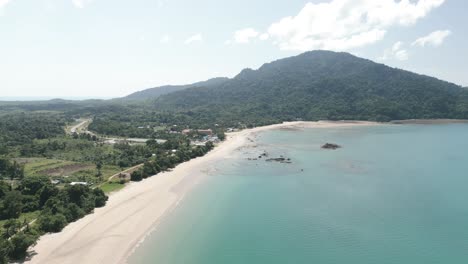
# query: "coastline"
[[429, 121], [111, 233]]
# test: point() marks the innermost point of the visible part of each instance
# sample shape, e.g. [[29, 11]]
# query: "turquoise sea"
[[393, 194]]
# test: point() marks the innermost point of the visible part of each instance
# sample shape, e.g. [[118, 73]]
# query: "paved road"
[[84, 123]]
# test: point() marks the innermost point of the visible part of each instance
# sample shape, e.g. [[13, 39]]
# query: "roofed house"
[[186, 131], [79, 183]]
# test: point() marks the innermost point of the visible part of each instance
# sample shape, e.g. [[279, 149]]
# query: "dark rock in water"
[[280, 160], [331, 146], [276, 159]]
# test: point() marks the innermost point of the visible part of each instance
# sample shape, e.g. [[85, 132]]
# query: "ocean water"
[[393, 194]]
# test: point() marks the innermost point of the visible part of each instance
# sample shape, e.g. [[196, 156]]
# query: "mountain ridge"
[[166, 89], [152, 93], [322, 85]]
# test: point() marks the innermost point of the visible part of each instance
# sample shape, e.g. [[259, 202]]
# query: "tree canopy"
[[320, 85]]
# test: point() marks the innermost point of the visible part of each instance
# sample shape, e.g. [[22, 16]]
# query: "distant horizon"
[[47, 98]]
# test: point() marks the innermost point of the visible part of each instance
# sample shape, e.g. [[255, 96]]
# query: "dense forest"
[[315, 85], [17, 129], [320, 85], [311, 86]]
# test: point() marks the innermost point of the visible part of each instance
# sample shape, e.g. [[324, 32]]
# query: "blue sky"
[[109, 48]]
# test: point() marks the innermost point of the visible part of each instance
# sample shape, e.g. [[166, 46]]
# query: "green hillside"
[[320, 85], [158, 91]]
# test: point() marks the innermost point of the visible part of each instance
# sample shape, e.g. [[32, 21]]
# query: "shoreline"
[[112, 233], [428, 121]]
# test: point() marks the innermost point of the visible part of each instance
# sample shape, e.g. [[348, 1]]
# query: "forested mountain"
[[158, 91], [320, 85]]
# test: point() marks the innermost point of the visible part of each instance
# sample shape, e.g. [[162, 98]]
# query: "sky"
[[111, 48]]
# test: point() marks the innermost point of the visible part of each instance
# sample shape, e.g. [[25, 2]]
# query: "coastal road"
[[80, 126]]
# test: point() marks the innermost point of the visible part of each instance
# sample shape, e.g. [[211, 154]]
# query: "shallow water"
[[392, 194]]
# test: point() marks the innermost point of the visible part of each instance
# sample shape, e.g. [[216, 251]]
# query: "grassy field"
[[42, 166], [109, 187], [67, 171], [90, 175]]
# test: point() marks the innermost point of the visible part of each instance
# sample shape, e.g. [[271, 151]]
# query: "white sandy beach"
[[110, 234]]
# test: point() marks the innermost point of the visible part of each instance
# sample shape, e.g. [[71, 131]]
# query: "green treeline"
[[56, 207], [168, 157], [11, 170], [21, 128], [140, 121], [312, 86]]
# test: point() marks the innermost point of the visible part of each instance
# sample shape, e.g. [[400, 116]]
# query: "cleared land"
[[68, 171]]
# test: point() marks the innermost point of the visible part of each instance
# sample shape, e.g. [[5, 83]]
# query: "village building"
[[186, 131], [78, 183]]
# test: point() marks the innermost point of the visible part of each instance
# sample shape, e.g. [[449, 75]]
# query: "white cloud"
[[162, 3], [245, 35], [4, 3], [435, 38], [264, 36], [165, 39], [346, 24], [396, 52], [194, 38], [81, 3]]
